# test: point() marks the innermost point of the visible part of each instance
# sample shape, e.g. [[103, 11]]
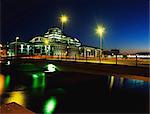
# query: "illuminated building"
[[88, 51], [54, 42]]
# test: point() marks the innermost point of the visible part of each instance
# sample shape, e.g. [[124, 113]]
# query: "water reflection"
[[111, 82], [120, 82], [8, 63], [50, 105], [51, 68], [7, 81], [18, 97], [2, 82], [131, 83], [38, 89], [38, 80]]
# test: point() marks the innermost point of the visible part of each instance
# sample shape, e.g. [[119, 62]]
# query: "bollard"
[[66, 57], [136, 60], [58, 57], [86, 57], [75, 58], [99, 58], [116, 59]]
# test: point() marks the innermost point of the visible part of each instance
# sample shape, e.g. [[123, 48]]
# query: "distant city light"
[[50, 105], [138, 56]]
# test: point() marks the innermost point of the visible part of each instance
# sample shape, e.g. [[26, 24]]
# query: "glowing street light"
[[63, 19], [100, 30], [46, 41], [17, 38]]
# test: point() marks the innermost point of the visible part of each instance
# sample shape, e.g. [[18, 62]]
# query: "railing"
[[121, 61]]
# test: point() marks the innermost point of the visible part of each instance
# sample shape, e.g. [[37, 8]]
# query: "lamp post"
[[17, 38], [46, 42], [63, 20], [100, 30]]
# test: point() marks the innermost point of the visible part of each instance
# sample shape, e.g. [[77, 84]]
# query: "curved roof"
[[17, 43]]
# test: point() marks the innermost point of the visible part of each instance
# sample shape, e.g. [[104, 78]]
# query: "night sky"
[[126, 21]]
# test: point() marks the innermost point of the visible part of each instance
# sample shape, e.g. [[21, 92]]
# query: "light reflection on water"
[[111, 82], [18, 97], [2, 82], [131, 83], [7, 81], [38, 80], [51, 68], [120, 82], [48, 103], [114, 81]]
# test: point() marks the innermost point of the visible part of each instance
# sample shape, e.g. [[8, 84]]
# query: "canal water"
[[49, 91]]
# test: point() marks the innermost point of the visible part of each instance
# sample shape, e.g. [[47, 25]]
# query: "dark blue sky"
[[126, 21]]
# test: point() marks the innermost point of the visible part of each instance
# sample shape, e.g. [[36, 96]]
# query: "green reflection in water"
[[60, 90], [38, 80], [50, 105], [7, 81]]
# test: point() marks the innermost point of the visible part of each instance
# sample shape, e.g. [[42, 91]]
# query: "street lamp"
[[46, 42], [17, 38], [63, 19], [100, 30]]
